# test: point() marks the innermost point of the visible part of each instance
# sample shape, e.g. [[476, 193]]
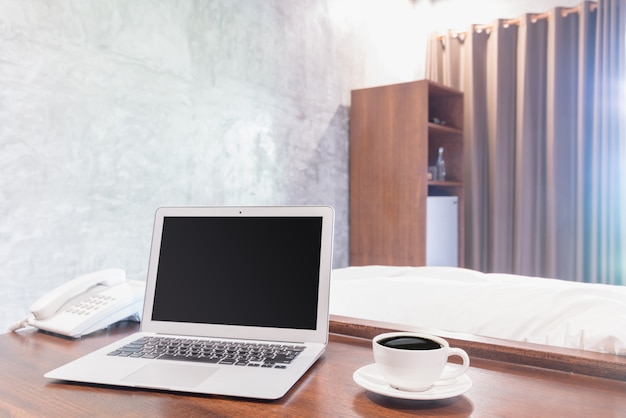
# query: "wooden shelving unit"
[[392, 143]]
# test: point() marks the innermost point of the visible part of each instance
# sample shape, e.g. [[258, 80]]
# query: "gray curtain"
[[545, 140]]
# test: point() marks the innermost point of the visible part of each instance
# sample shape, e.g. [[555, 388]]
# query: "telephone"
[[87, 304]]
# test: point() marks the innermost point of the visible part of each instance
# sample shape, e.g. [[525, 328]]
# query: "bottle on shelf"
[[441, 166]]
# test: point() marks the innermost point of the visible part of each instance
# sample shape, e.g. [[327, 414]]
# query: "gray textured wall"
[[109, 109]]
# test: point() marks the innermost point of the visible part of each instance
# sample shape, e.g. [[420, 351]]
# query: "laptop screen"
[[247, 271]]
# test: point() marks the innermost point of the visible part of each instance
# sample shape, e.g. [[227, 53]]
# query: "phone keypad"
[[90, 305]]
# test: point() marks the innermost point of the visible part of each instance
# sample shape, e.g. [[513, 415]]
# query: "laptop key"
[[185, 358]]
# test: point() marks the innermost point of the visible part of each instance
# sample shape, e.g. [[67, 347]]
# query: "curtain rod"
[[534, 17]]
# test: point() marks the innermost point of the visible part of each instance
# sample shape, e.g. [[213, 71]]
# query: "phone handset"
[[49, 304]]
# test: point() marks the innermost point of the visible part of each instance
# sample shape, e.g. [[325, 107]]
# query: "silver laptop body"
[[251, 275]]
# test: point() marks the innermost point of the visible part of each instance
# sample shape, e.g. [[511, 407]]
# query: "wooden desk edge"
[[609, 366]]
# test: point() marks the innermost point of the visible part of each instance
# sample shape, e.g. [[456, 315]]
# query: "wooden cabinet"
[[392, 144]]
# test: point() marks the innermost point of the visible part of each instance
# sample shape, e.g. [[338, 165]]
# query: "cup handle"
[[460, 369]]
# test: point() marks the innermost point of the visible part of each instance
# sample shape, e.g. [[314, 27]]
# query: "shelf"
[[436, 128], [392, 146], [445, 183]]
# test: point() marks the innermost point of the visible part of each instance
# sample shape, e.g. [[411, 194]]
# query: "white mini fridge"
[[442, 231]]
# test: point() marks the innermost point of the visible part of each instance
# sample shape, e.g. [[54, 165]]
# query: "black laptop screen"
[[251, 271]]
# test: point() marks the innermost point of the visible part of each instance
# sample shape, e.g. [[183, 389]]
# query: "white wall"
[[109, 109], [459, 14]]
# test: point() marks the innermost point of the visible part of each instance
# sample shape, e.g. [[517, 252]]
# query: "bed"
[[553, 312]]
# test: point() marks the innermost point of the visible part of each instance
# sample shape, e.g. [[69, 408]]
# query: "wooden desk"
[[499, 388]]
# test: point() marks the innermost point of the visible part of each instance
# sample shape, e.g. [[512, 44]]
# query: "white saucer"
[[369, 378]]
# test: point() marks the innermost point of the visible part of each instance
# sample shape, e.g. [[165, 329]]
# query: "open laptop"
[[236, 304]]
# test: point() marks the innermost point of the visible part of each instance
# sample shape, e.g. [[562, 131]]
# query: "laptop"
[[236, 304]]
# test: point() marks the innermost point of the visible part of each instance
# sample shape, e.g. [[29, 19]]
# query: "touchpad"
[[166, 375]]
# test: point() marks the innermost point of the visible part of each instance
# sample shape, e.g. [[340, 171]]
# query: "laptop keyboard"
[[266, 355]]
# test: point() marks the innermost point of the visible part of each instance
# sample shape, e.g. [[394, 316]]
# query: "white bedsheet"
[[538, 310]]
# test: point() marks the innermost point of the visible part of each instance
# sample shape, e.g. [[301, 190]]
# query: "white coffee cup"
[[412, 361]]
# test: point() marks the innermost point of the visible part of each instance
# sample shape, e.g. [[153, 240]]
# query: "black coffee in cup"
[[409, 343]]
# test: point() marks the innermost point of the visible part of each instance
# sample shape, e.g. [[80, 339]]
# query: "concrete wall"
[[109, 109]]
